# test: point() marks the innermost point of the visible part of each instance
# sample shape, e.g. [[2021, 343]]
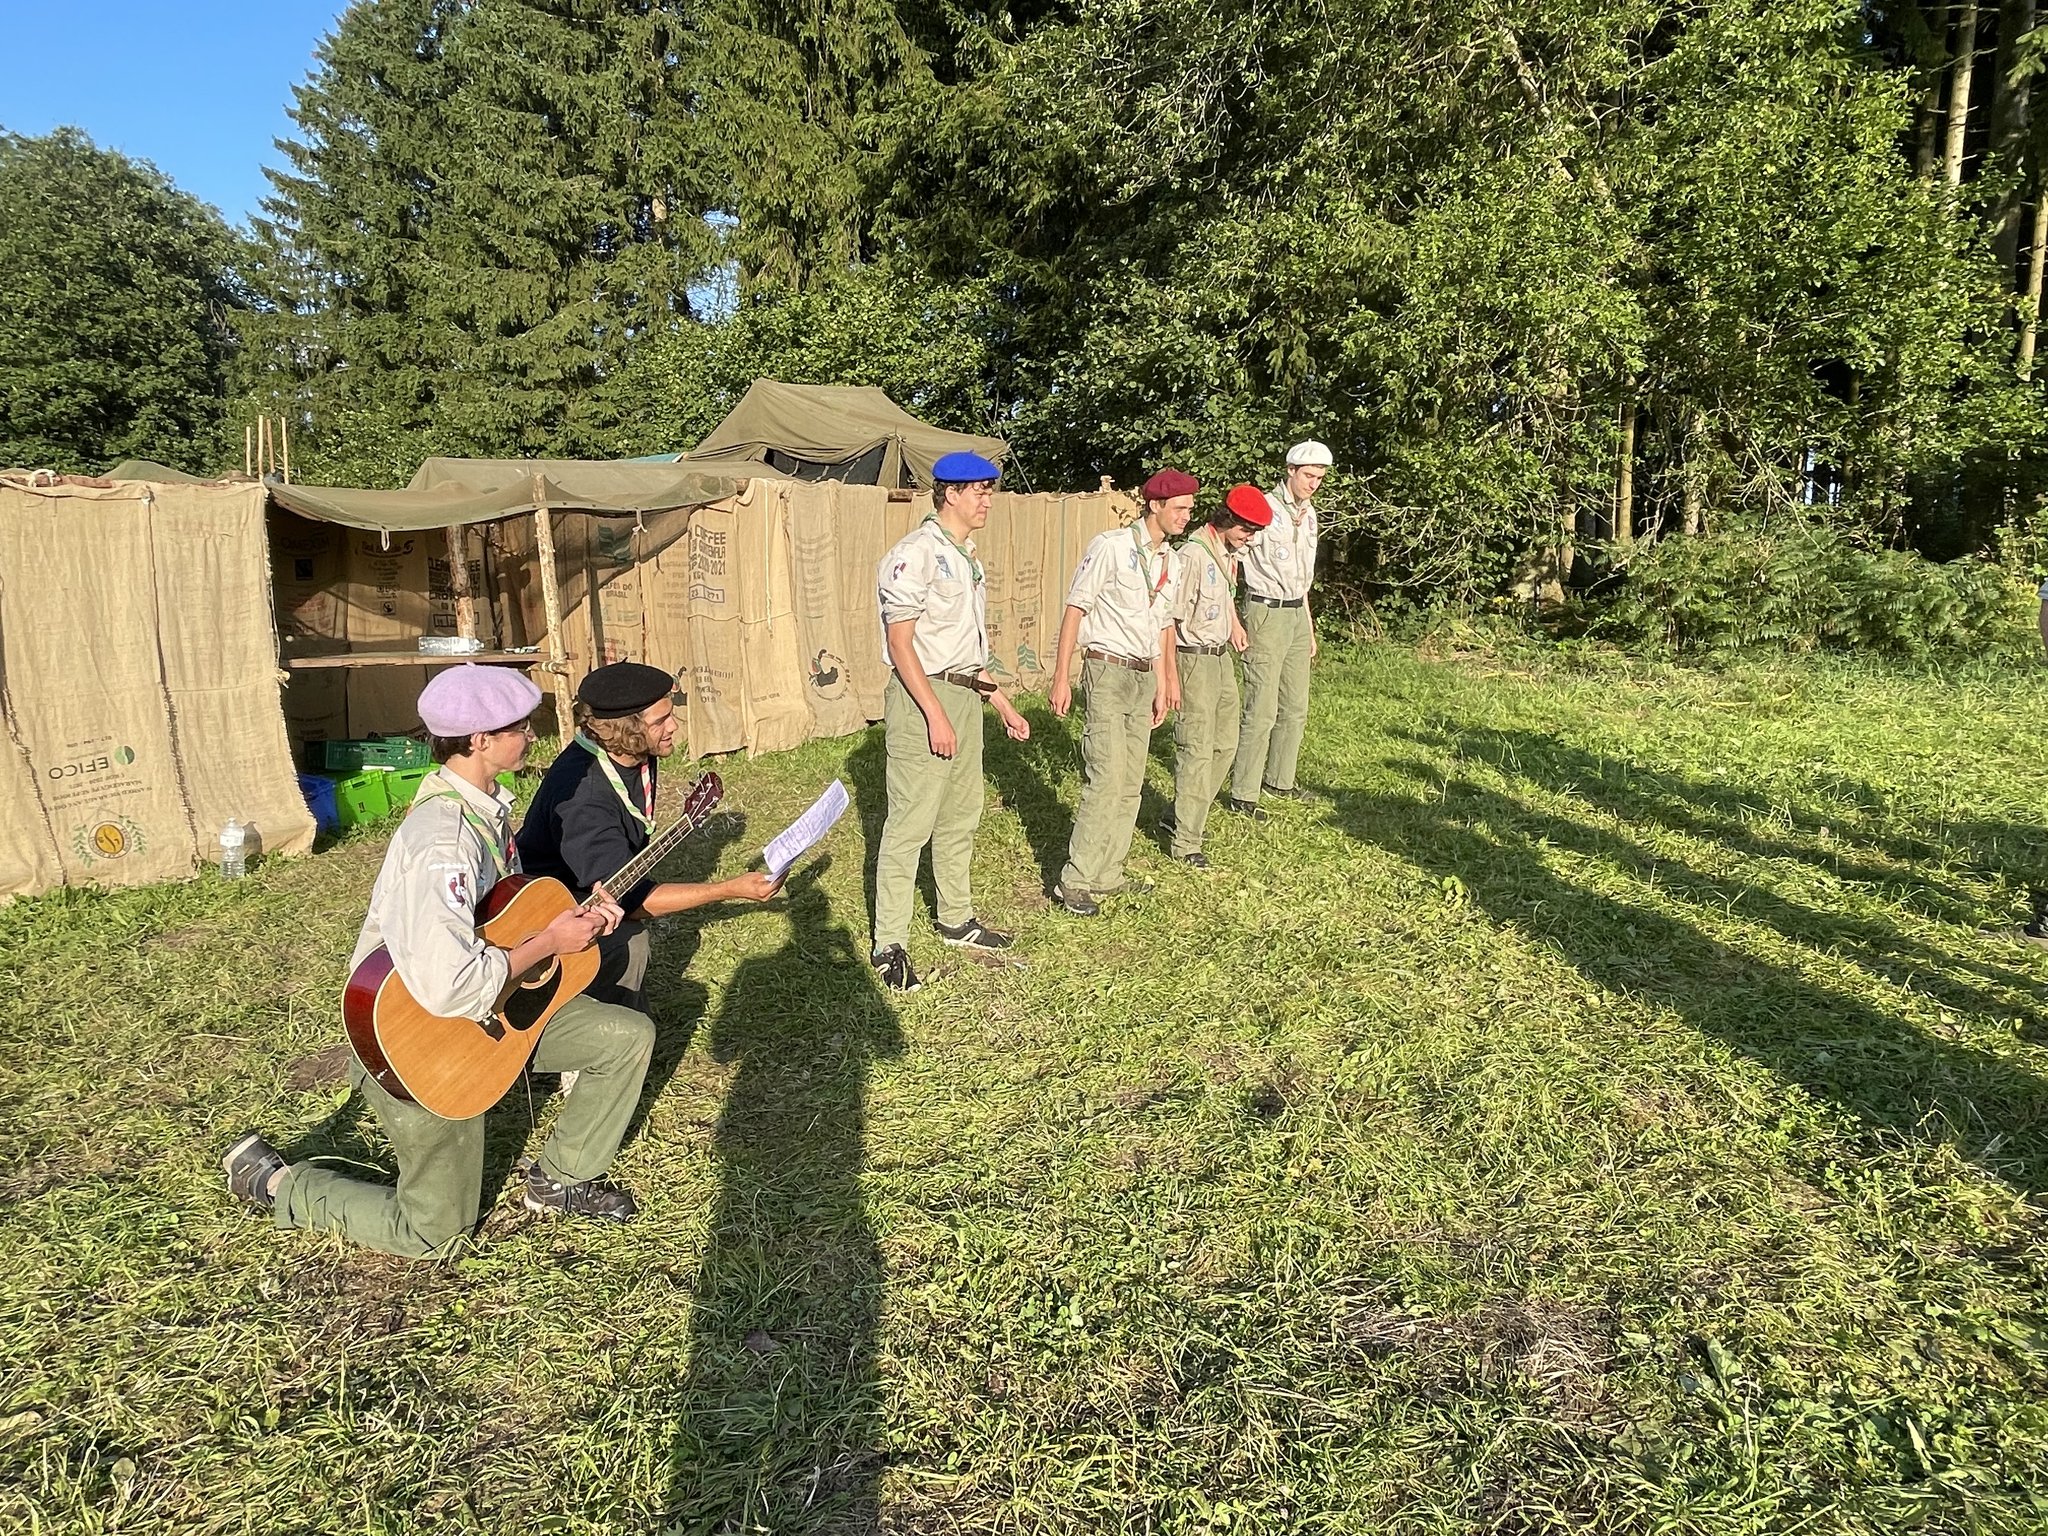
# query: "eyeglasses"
[[523, 728]]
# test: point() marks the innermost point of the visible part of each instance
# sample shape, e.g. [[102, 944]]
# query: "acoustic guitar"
[[458, 1068]]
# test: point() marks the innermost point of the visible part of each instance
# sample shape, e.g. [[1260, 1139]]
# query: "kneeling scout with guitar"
[[440, 1007]]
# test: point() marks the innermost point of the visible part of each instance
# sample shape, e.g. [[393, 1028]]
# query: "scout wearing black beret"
[[624, 688]]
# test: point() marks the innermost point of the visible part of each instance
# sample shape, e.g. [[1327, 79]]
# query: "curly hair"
[[620, 735]]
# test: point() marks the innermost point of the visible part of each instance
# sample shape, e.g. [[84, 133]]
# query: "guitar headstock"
[[703, 798]]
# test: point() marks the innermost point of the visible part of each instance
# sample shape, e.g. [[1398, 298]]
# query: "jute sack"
[[777, 715], [717, 686], [821, 608]]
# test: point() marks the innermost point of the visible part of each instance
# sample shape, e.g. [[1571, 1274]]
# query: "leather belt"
[[1201, 650], [970, 680], [1275, 602], [1089, 653]]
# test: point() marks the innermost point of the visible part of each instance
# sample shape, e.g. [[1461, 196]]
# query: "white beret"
[[460, 701], [1310, 452]]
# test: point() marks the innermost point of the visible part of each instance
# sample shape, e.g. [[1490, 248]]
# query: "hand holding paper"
[[806, 832]]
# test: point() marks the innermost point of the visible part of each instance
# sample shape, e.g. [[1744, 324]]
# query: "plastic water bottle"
[[233, 859]]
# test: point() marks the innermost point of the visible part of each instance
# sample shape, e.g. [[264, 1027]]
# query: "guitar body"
[[458, 1068]]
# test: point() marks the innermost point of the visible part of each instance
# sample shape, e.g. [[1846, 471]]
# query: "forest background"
[[1557, 282]]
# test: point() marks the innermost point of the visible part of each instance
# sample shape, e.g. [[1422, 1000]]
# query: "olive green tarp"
[[453, 493], [834, 432]]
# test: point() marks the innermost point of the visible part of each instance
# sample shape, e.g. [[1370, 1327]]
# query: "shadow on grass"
[[1025, 773], [777, 1422], [1885, 1070]]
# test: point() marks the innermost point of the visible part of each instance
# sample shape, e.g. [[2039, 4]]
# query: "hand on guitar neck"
[[573, 931]]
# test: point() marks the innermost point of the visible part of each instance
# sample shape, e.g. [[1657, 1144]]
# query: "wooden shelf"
[[417, 659]]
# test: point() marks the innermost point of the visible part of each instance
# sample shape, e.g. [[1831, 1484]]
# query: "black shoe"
[[1193, 860], [1168, 826], [1248, 808], [2036, 933], [249, 1165], [1080, 903], [893, 966], [1285, 794], [599, 1199], [974, 934]]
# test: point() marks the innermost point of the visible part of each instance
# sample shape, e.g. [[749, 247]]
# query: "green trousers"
[[1275, 699], [1114, 742], [441, 1162], [934, 800], [1204, 742]]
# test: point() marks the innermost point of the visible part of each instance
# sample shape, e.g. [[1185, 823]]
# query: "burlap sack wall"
[[140, 672], [825, 611], [717, 675], [778, 715]]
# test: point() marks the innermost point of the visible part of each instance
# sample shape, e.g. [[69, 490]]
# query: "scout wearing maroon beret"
[[595, 810], [1120, 617], [452, 847]]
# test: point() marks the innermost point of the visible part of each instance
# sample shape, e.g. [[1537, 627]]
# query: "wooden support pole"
[[458, 581], [551, 608], [249, 449], [284, 432], [262, 446]]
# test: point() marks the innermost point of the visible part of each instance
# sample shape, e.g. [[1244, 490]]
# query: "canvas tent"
[[834, 432]]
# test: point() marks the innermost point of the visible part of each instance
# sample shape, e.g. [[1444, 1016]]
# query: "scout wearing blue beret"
[[934, 611]]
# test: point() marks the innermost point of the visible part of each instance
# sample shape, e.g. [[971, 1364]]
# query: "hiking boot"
[[1080, 903], [893, 966], [974, 934], [250, 1164], [1248, 808], [1193, 860], [599, 1199], [1285, 794]]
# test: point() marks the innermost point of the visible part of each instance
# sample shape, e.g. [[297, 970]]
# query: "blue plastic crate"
[[319, 793]]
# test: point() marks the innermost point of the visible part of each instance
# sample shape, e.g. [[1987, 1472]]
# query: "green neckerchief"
[[965, 553], [611, 771], [1221, 569], [1145, 560], [501, 860]]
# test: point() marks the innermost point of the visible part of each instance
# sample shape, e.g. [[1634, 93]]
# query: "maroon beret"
[[1169, 483]]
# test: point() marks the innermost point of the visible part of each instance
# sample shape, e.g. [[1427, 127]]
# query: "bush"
[[1802, 586]]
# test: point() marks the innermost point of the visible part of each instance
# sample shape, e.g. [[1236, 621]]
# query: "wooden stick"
[[263, 446], [249, 449], [458, 581], [284, 431], [551, 608]]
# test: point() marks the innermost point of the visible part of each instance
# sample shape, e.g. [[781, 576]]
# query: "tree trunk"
[[2011, 111], [1927, 128], [1959, 93], [2032, 323], [1695, 475], [1625, 491]]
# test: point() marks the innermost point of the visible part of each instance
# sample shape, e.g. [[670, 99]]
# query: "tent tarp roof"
[[832, 423], [448, 492]]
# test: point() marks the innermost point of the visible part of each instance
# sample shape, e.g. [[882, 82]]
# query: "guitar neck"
[[643, 863]]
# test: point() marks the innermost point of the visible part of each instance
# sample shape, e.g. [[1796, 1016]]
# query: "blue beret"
[[965, 468]]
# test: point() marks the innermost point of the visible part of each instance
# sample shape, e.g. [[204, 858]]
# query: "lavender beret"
[[463, 700]]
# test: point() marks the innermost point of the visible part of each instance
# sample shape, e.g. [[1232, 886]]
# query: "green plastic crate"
[[362, 797], [377, 752], [401, 784]]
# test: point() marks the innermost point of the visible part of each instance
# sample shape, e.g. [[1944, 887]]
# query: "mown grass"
[[1600, 1112]]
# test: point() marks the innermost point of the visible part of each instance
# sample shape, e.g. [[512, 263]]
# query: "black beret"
[[624, 688]]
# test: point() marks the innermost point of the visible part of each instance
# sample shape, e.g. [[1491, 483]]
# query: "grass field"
[[1602, 1111]]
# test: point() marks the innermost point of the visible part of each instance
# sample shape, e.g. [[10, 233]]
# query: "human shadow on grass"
[[1656, 798], [777, 1422], [1026, 775], [1837, 1047]]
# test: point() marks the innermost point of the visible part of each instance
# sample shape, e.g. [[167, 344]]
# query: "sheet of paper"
[[806, 832]]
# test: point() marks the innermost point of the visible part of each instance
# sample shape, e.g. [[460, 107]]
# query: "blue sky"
[[199, 87]]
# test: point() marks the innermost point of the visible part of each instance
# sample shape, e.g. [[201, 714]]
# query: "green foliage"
[[1800, 584], [120, 299]]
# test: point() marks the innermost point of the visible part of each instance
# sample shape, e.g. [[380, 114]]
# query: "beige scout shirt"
[[1207, 603], [927, 577], [1126, 592], [423, 907], [1280, 560]]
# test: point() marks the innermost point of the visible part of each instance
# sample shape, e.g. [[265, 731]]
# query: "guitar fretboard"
[[643, 863]]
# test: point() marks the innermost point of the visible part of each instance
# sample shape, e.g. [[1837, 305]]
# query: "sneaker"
[[597, 1198], [974, 934], [1284, 794], [249, 1165], [893, 965], [1168, 825], [1248, 808], [2036, 933], [1194, 860], [1080, 903]]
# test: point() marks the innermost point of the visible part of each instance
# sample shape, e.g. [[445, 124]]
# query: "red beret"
[[1169, 483], [1248, 504]]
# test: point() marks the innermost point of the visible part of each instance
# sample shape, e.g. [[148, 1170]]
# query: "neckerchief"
[[965, 553], [611, 771], [1215, 559], [1145, 561], [501, 860]]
